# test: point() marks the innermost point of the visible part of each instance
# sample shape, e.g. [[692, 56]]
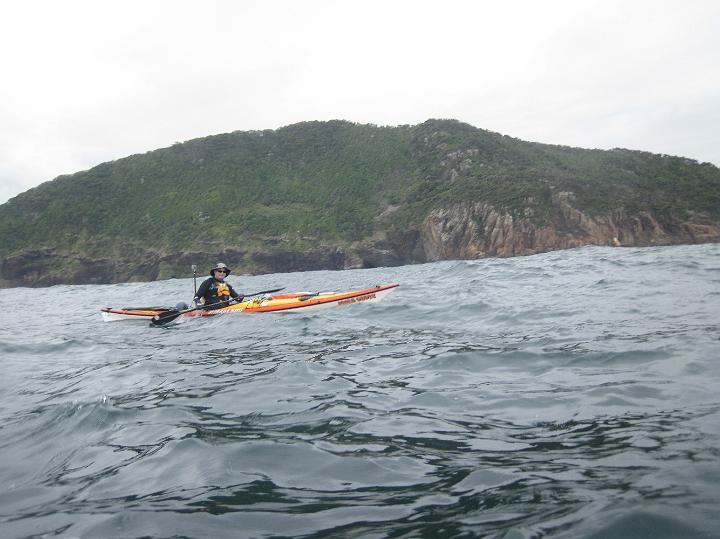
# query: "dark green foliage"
[[335, 183]]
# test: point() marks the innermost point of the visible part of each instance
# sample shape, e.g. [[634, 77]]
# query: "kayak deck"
[[289, 302]]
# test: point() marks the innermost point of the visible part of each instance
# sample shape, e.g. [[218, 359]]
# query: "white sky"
[[88, 81]]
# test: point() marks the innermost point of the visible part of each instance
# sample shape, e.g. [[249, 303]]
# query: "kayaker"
[[215, 289]]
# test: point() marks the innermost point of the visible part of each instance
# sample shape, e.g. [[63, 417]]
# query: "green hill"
[[337, 194]]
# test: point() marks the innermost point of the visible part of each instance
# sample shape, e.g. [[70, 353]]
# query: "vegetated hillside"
[[337, 194]]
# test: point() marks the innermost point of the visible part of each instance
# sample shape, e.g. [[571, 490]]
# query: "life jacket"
[[217, 291], [222, 290]]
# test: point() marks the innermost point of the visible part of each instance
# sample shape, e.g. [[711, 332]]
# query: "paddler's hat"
[[220, 266]]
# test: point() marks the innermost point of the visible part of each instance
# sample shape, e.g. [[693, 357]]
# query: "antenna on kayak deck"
[[194, 268]]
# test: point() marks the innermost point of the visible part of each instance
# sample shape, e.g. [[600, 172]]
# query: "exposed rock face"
[[47, 267], [463, 231], [286, 261], [467, 231]]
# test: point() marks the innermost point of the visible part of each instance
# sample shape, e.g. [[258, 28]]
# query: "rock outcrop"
[[467, 231], [462, 231]]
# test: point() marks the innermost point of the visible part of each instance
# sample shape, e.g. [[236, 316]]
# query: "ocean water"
[[567, 394]]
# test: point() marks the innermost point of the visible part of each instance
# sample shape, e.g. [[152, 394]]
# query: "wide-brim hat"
[[221, 266]]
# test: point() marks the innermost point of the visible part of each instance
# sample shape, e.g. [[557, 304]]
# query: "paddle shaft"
[[166, 318]]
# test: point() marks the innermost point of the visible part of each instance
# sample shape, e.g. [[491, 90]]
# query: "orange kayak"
[[297, 302]]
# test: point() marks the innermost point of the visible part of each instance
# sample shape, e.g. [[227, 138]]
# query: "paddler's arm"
[[202, 290], [237, 297]]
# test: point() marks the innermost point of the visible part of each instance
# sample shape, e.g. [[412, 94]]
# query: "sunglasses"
[[221, 271]]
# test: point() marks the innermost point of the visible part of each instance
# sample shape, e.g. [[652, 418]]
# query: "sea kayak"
[[296, 302]]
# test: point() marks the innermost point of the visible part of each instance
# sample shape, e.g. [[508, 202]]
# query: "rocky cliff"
[[467, 231], [464, 231]]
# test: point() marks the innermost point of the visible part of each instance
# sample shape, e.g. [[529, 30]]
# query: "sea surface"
[[568, 394]]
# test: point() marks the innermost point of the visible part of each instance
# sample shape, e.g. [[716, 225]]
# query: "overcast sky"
[[83, 82]]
